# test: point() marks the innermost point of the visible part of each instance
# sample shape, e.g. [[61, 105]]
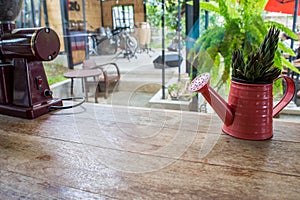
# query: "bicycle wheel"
[[131, 43]]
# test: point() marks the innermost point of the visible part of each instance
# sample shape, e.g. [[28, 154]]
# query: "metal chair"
[[110, 75]]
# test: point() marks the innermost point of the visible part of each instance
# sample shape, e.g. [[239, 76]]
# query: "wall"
[[93, 19], [92, 13], [93, 16]]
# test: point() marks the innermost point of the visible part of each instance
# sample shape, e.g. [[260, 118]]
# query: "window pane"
[[123, 16]]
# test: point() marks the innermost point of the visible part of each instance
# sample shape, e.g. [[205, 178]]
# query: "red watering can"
[[249, 112]]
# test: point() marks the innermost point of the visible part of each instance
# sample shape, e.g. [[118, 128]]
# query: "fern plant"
[[259, 65], [243, 28]]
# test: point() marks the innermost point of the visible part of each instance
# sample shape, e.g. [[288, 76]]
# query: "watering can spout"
[[221, 107]]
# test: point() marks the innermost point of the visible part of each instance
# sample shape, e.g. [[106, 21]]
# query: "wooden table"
[[103, 151], [83, 74]]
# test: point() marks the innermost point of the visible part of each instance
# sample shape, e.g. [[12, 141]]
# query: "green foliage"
[[154, 17], [54, 72], [154, 13], [259, 65], [212, 18], [171, 14], [179, 91], [243, 28]]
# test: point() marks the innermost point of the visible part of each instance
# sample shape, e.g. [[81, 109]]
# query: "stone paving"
[[139, 79]]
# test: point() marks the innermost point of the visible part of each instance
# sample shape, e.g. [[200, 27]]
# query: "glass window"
[[123, 17]]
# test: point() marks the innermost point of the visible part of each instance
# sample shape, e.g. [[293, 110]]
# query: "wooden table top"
[[82, 73], [102, 151]]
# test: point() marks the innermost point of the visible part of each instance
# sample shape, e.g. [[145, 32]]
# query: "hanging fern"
[[243, 28]]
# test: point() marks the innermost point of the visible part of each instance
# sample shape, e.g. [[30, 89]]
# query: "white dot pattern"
[[199, 82]]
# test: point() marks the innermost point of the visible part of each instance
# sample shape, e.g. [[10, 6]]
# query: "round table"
[[83, 74]]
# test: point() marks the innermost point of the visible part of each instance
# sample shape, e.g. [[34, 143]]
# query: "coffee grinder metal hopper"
[[24, 89]]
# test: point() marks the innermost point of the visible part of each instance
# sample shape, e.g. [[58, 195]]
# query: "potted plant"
[[249, 111], [179, 91], [243, 28], [259, 67]]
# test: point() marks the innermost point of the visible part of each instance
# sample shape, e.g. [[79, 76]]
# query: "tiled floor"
[[139, 79]]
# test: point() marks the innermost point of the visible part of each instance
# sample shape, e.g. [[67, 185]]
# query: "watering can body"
[[249, 112]]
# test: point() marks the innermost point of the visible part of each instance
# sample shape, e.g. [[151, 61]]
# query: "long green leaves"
[[259, 65], [209, 7], [283, 28]]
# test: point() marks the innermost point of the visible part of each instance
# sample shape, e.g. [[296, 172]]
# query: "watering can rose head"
[[259, 65]]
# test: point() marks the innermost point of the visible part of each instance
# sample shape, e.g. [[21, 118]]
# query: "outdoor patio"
[[141, 84]]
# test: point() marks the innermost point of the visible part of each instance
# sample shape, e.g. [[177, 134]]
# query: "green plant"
[[154, 15], [179, 91], [173, 91], [212, 17], [243, 28], [172, 14], [259, 65]]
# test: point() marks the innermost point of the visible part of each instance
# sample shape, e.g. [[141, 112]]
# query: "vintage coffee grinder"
[[24, 89]]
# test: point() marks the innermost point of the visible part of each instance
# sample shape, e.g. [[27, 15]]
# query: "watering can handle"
[[288, 96]]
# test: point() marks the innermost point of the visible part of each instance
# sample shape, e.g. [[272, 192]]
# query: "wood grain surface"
[[113, 152]]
